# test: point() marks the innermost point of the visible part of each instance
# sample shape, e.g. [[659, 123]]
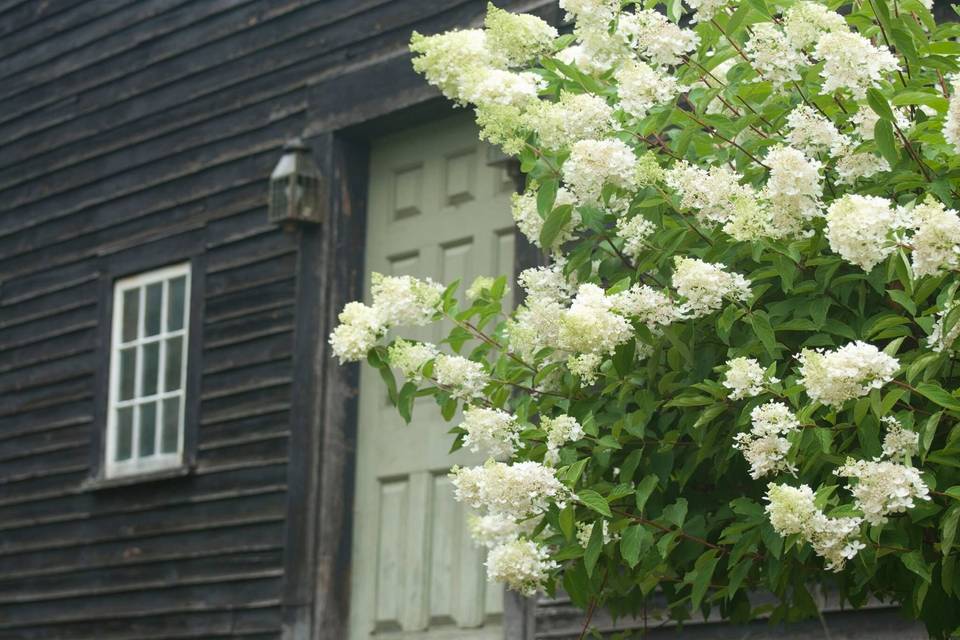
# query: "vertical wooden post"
[[323, 438]]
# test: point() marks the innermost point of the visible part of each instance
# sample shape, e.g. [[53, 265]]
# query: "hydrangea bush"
[[735, 371]]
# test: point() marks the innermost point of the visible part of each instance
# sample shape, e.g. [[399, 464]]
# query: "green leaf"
[[948, 529], [914, 562], [701, 575], [634, 541], [905, 301], [624, 357], [644, 489], [935, 392], [573, 472], [554, 224], [761, 325], [594, 547], [879, 104], [567, 522], [927, 433], [405, 401], [595, 501], [546, 196], [886, 143], [676, 513]]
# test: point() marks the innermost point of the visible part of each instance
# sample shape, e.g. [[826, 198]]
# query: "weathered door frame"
[[344, 114]]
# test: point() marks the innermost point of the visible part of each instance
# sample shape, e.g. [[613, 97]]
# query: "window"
[[148, 359]]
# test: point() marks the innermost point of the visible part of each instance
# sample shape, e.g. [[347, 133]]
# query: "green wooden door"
[[435, 209]]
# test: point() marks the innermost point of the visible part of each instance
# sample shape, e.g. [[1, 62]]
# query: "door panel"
[[435, 209]]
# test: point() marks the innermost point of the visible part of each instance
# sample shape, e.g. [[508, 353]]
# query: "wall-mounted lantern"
[[298, 191]]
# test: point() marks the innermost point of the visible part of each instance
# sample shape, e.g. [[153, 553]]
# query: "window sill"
[[98, 483]]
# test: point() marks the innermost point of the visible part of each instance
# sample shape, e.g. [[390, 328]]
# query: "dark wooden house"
[[178, 450]]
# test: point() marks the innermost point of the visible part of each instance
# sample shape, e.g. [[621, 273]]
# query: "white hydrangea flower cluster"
[[405, 301], [865, 120], [773, 56], [495, 529], [590, 325], [705, 285], [442, 58], [517, 490], [641, 88], [655, 38], [511, 496], [792, 511], [745, 378], [899, 442], [653, 308], [522, 565], [409, 357], [811, 132], [464, 378], [765, 447], [528, 219], [476, 66], [936, 241], [536, 323], [518, 37], [493, 431], [833, 377], [951, 124], [585, 530], [861, 229], [359, 329], [574, 116], [805, 22], [704, 10], [634, 231], [711, 193], [851, 167], [595, 163], [487, 86], [793, 186], [883, 487], [937, 340], [560, 430], [397, 301], [852, 62]]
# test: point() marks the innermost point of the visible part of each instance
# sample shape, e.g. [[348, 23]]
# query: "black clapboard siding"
[[138, 133]]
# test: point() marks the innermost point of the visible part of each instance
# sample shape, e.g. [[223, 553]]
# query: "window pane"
[[151, 368], [148, 429], [174, 364], [151, 320], [131, 308], [178, 288], [171, 425], [128, 373], [124, 433]]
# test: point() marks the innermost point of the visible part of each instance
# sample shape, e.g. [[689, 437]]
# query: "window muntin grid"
[[148, 371]]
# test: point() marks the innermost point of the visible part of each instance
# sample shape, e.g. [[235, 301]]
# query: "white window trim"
[[136, 465]]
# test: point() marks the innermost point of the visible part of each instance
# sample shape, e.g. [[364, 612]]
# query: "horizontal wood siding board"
[[125, 580], [160, 159], [160, 66], [79, 503], [177, 518], [214, 624], [250, 592], [41, 20], [102, 39]]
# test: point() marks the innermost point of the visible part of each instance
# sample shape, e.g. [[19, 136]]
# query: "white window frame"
[[136, 465]]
